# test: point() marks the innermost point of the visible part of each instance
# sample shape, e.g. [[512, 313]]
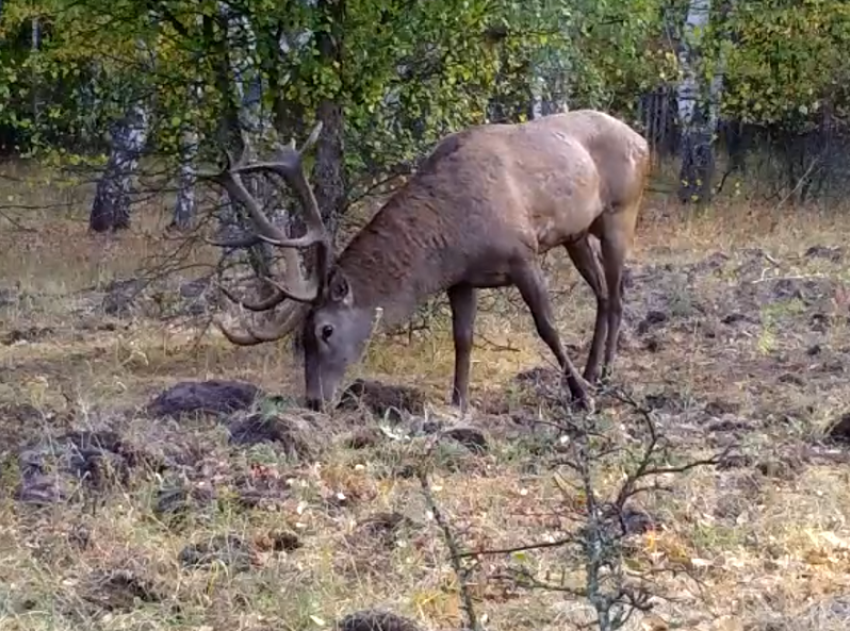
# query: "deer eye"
[[326, 331]]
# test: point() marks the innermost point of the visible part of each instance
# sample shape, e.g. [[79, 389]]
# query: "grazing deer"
[[480, 210]]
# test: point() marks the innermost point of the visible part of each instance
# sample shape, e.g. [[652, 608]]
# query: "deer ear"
[[338, 288]]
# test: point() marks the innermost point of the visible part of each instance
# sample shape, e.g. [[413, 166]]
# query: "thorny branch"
[[523, 548], [455, 554], [604, 524]]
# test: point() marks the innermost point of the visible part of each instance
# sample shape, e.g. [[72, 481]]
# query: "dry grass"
[[769, 547]]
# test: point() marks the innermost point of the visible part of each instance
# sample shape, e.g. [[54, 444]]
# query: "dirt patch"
[[278, 541], [470, 437], [364, 438], [833, 254], [813, 294], [233, 551], [57, 468], [216, 397], [383, 528], [383, 400], [375, 620], [174, 504], [120, 590], [30, 334], [298, 437]]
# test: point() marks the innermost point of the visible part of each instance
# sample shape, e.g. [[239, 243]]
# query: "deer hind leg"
[[463, 302], [616, 241], [528, 278], [586, 258]]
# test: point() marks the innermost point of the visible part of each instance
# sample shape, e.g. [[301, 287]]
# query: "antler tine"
[[263, 305], [286, 323], [288, 164], [288, 320], [304, 294], [229, 178], [234, 337]]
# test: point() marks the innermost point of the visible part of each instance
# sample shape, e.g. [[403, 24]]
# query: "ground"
[[117, 513]]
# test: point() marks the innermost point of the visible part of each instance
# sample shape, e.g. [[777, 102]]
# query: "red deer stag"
[[477, 214]]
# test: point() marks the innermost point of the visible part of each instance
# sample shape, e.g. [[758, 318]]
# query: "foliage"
[[408, 72], [788, 59]]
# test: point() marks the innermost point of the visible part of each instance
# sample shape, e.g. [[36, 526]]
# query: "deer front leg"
[[528, 278], [463, 302]]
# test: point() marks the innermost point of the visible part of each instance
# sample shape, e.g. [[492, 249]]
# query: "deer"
[[479, 212]]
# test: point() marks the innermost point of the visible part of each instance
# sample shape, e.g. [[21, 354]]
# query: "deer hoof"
[[586, 403]]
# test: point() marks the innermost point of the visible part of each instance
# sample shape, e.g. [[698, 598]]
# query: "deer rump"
[[478, 213]]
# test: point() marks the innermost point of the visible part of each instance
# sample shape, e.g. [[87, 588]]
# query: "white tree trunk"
[[697, 109], [111, 206], [248, 83], [537, 85], [184, 208]]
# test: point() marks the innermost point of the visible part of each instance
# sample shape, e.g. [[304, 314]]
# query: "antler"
[[287, 164], [287, 320]]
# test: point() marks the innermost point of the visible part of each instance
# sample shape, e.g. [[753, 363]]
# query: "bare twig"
[[523, 548], [455, 554]]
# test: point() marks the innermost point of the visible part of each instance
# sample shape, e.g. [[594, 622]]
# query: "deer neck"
[[399, 259]]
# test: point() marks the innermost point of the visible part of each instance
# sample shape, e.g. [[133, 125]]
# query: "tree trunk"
[[697, 105], [239, 77], [537, 85], [111, 207], [329, 170], [35, 46], [184, 208]]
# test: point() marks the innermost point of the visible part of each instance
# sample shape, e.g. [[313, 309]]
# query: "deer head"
[[334, 330]]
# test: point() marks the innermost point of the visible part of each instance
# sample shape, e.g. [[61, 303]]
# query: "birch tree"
[[110, 209], [697, 107]]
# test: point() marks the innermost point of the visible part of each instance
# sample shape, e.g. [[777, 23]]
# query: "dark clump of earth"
[[281, 541], [637, 521], [216, 396], [364, 438], [383, 400], [119, 590], [383, 529], [29, 334], [839, 431], [55, 468], [471, 438], [296, 435], [120, 295], [832, 254], [375, 620], [174, 503], [229, 549]]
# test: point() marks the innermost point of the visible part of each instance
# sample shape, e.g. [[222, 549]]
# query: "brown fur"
[[463, 206]]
